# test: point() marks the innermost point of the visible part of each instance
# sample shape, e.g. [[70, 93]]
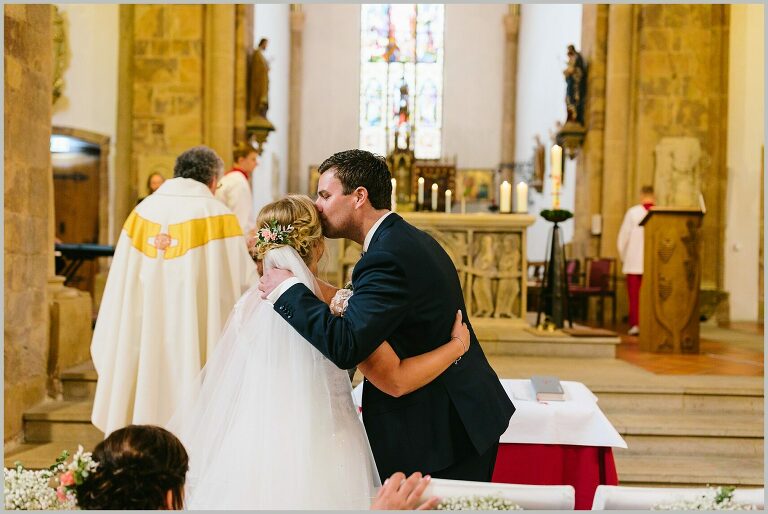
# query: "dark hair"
[[262, 41], [137, 466], [198, 163], [241, 151], [359, 168], [646, 190]]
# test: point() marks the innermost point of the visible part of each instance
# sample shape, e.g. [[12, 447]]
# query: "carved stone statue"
[[484, 266], [575, 82], [509, 288], [258, 90]]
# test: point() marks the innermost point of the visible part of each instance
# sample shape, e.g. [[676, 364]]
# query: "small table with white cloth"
[[555, 442]]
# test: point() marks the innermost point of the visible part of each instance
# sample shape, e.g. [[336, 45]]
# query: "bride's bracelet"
[[463, 347]]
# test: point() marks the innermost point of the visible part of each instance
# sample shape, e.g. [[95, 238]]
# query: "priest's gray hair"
[[199, 163]]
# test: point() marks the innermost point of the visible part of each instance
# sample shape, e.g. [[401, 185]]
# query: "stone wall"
[[28, 183], [665, 83], [681, 87], [178, 68]]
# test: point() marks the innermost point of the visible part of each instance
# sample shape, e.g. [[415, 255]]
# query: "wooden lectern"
[[669, 296]]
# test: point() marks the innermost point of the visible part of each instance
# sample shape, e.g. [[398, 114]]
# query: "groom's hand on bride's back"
[[399, 493], [271, 279]]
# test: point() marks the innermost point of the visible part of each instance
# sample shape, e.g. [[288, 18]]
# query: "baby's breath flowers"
[[715, 499], [477, 503], [48, 489]]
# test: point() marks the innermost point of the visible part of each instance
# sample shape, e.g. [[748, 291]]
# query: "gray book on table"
[[547, 388]]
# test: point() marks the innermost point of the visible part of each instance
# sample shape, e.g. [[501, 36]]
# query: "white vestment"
[[630, 241], [271, 423], [235, 191], [180, 265]]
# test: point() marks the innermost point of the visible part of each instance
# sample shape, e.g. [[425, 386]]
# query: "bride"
[[271, 423]]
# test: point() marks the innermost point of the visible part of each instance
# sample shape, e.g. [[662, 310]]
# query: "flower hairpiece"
[[274, 233], [73, 473]]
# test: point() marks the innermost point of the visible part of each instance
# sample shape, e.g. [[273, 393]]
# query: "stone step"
[[676, 399], [43, 455], [60, 421], [690, 434], [79, 383], [667, 470]]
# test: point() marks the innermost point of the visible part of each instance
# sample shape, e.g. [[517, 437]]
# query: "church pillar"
[[589, 176], [297, 182], [618, 96], [512, 31], [125, 183], [243, 50], [219, 77]]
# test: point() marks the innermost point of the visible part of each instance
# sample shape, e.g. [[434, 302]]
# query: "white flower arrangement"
[[715, 499], [48, 489], [477, 503]]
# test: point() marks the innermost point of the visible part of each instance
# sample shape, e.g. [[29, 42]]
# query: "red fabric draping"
[[583, 467]]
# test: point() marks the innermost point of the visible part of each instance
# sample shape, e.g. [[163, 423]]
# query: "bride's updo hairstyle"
[[295, 211], [137, 466]]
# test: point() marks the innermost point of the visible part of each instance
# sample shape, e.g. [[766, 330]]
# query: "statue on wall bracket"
[[571, 135], [257, 125]]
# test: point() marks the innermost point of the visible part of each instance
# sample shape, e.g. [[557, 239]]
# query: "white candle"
[[434, 197], [421, 190], [505, 204], [463, 205], [522, 197], [393, 200], [448, 195], [557, 162]]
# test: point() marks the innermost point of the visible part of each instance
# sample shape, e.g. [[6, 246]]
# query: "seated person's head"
[[140, 467], [306, 238]]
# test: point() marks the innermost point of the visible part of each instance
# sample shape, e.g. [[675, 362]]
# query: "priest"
[[180, 265]]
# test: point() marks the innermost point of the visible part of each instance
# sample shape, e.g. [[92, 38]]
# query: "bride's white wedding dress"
[[271, 423]]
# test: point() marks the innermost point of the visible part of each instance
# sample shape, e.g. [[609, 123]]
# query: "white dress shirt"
[[287, 283]]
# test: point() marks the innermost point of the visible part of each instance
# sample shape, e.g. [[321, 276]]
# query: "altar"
[[489, 252]]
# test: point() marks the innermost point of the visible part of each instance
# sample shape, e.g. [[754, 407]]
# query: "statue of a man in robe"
[[575, 82], [258, 94]]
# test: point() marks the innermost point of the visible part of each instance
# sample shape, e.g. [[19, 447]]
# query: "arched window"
[[401, 78]]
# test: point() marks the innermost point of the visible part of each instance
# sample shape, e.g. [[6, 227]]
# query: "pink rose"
[[61, 495], [67, 479], [265, 233]]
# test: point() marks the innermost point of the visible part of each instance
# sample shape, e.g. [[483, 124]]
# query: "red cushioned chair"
[[600, 281]]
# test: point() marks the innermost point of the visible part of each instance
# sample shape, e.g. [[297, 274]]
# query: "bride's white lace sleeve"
[[340, 301]]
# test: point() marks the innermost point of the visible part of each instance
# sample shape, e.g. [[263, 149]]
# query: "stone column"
[[219, 77], [28, 182], [296, 180], [509, 98], [618, 96], [589, 177], [124, 184], [244, 21]]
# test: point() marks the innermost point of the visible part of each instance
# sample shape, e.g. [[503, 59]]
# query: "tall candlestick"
[[505, 203], [393, 200], [448, 195], [522, 197], [557, 162], [421, 191], [434, 197]]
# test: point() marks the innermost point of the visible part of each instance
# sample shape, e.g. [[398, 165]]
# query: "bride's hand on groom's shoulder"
[[271, 279], [399, 493]]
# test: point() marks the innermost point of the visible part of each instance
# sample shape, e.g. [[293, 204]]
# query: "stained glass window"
[[401, 78]]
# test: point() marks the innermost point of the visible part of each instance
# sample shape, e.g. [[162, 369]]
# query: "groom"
[[406, 291]]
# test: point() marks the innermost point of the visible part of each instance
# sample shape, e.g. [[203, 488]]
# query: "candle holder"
[[553, 295]]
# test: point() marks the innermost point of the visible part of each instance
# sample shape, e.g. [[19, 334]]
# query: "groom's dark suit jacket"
[[407, 292]]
